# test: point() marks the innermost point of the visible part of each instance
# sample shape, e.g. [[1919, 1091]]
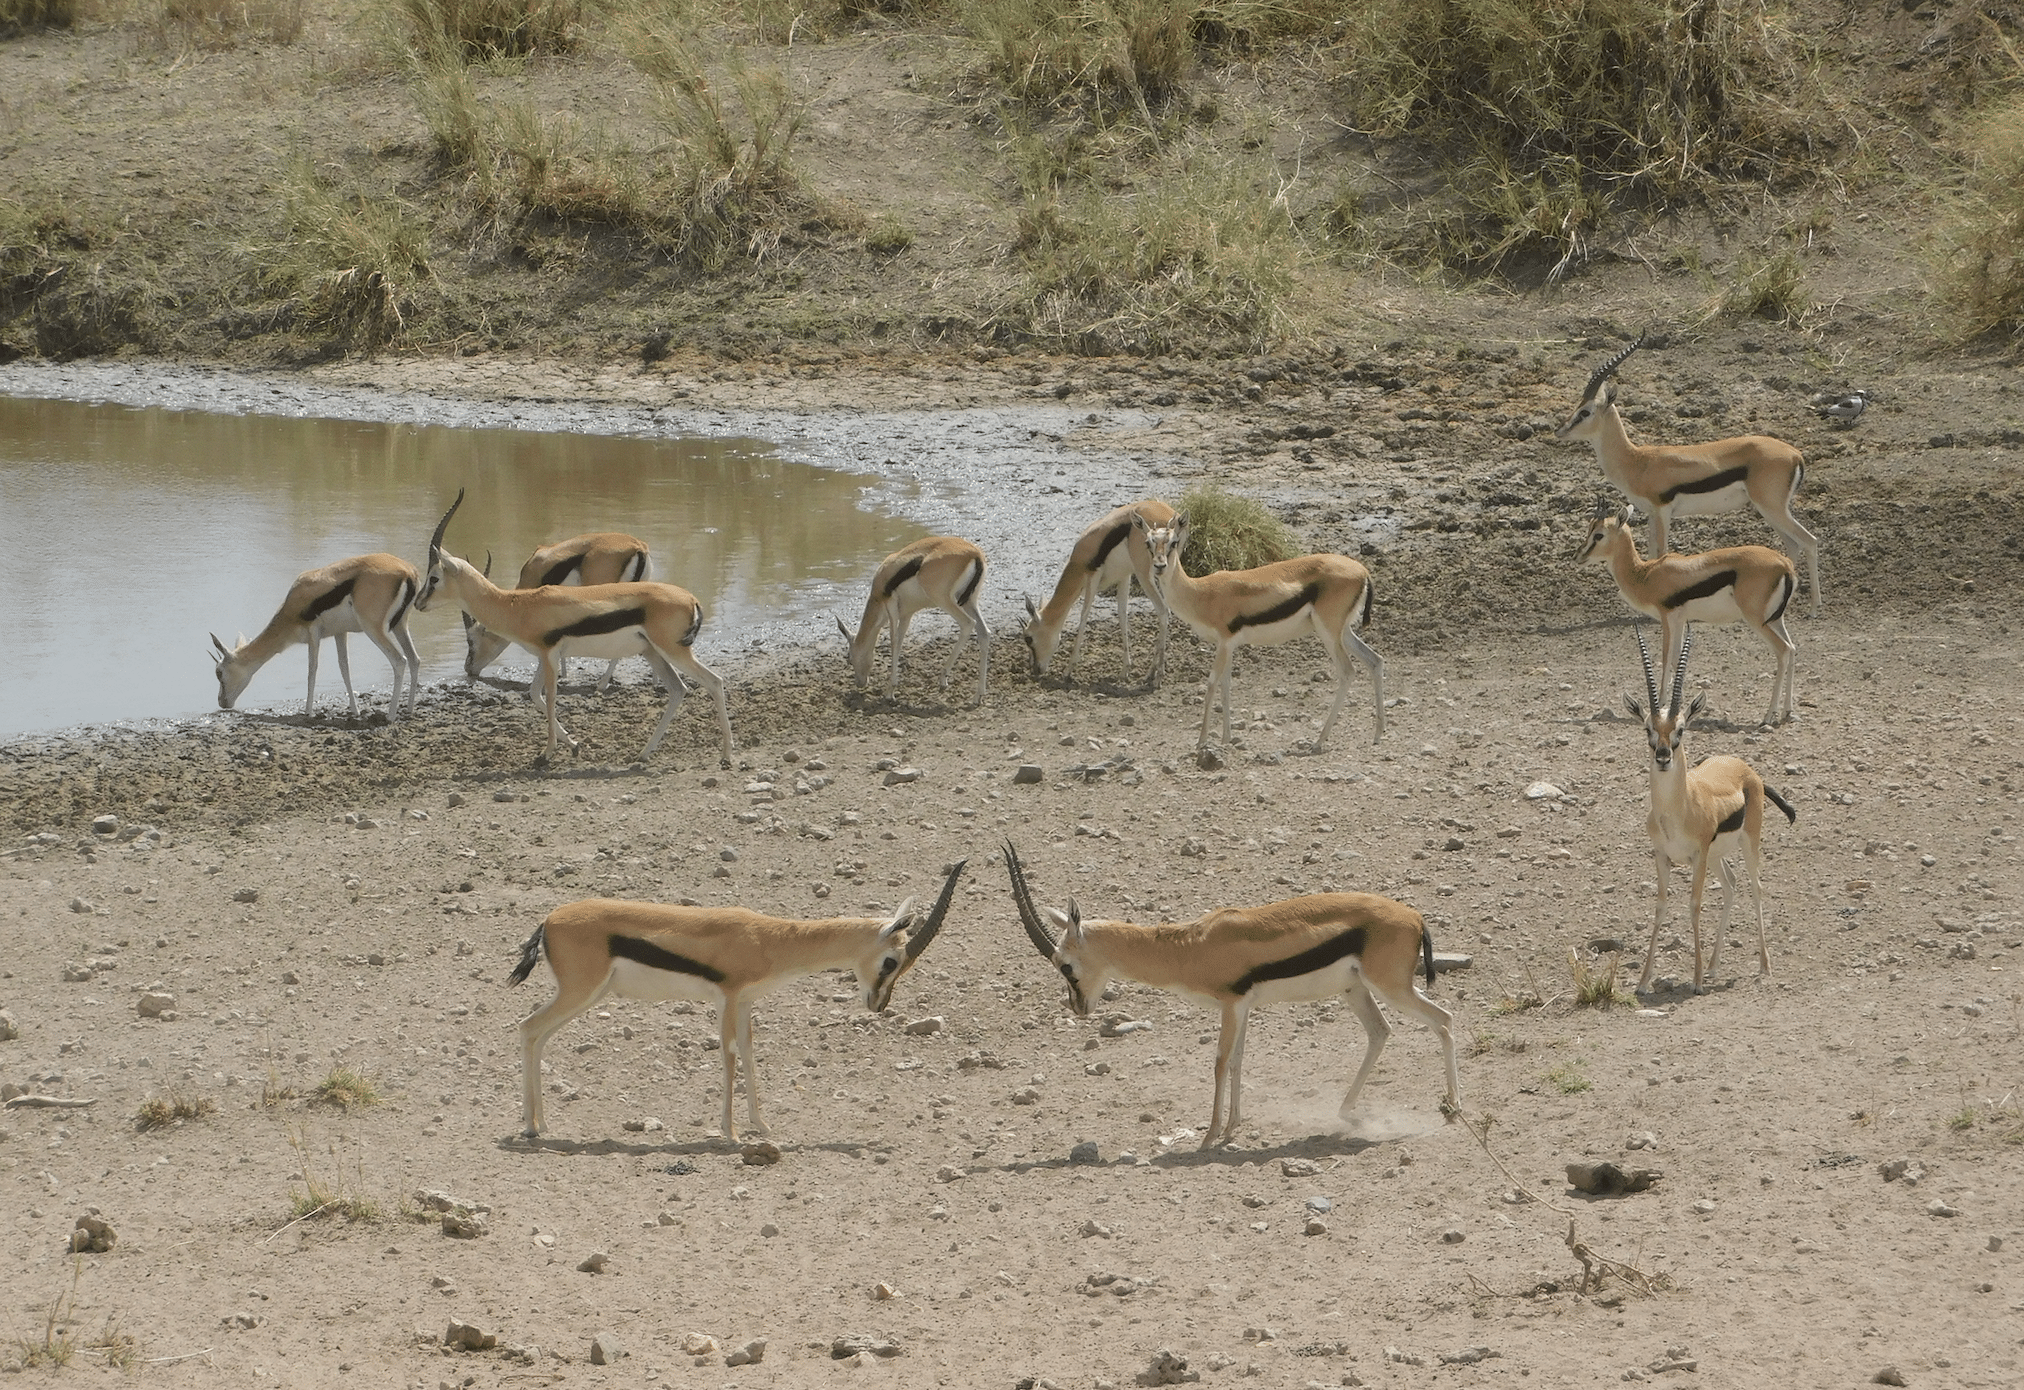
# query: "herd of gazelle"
[[1357, 945]]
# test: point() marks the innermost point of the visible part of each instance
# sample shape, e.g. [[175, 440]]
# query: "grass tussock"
[[317, 1196], [1101, 55], [68, 279], [1982, 247], [58, 1342], [1228, 532], [1569, 1079], [160, 1112], [481, 29], [347, 1088], [349, 260], [1595, 982], [26, 16], [1766, 286], [223, 24], [1199, 252]]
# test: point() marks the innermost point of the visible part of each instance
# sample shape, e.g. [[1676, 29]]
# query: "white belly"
[[330, 622], [1715, 608], [608, 646], [1732, 498], [631, 980], [1325, 983]]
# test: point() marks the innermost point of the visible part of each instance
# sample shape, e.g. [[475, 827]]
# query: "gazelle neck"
[[1612, 442], [1622, 557], [1669, 787]]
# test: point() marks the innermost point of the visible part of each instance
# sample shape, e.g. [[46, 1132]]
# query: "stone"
[[1542, 791], [469, 1337], [105, 825], [924, 1027], [454, 799], [949, 1172], [862, 1344], [884, 1293], [1894, 1169], [1453, 1236], [1447, 961], [1085, 1152], [10, 1028], [751, 1354], [605, 1350], [728, 855], [597, 1262], [92, 1235], [75, 974], [464, 1225], [83, 907], [1889, 1375], [246, 895], [1646, 1140], [1026, 1096], [896, 776], [1467, 1356], [1316, 1226], [1261, 1334], [1094, 1228], [769, 1230], [1608, 1180], [1208, 759], [760, 1153], [1938, 1208], [1168, 1368], [1298, 1168], [1027, 774], [1321, 1206]]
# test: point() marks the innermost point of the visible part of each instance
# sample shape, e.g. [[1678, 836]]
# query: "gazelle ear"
[[842, 629], [1074, 919], [1694, 707], [242, 641], [222, 651], [1031, 611], [1138, 522], [900, 921]]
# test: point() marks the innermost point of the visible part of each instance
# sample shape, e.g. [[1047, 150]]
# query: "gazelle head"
[[900, 943], [1083, 970], [860, 654], [233, 673], [1598, 396], [1665, 725], [1605, 524], [1164, 544], [1040, 639], [482, 646], [434, 578]]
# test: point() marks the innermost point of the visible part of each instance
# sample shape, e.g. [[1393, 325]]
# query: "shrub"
[[1982, 269], [158, 1112], [1228, 532]]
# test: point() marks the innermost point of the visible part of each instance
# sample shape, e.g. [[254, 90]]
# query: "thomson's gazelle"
[[1738, 584], [1705, 814], [656, 621], [943, 572], [1669, 480], [723, 956], [1327, 595], [1106, 556], [1354, 944], [602, 557], [367, 593]]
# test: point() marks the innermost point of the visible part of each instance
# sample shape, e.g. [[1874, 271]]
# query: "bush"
[[1228, 532], [158, 1112]]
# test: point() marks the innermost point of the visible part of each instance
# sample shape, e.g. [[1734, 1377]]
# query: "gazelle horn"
[[1029, 916], [1608, 369], [1680, 667], [436, 540], [1651, 676], [919, 937]]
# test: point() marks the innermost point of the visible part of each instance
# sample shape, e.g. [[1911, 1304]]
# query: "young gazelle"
[[936, 571], [1669, 480], [367, 593], [1106, 556], [1327, 595], [656, 621], [727, 957], [1738, 584], [1354, 944], [602, 557], [1705, 814]]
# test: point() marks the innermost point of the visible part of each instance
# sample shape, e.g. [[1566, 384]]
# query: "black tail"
[[530, 952], [1427, 950], [1791, 816]]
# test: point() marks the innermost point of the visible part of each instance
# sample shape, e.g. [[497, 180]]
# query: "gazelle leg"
[[1788, 658], [610, 668], [897, 619], [713, 685], [1694, 910], [1124, 622], [344, 671], [1160, 652], [983, 651], [727, 1036], [545, 679], [407, 645], [396, 659], [1660, 517], [757, 1126], [677, 692], [1729, 888], [1661, 869], [1225, 1040], [1081, 624], [535, 1031], [1753, 864], [1803, 541], [1233, 1116], [1376, 1033], [1209, 695], [1374, 664], [1442, 1022], [309, 702]]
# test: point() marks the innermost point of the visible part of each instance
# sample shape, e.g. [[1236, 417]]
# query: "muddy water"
[[132, 530]]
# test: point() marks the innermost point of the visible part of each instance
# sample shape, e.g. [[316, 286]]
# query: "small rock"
[[1608, 1180], [105, 825], [1094, 1228], [1085, 1152], [728, 855], [464, 1225], [469, 1337], [1889, 1375], [1261, 1334], [1452, 1236], [75, 974], [1894, 1169], [1446, 961], [923, 1027], [699, 1344], [1467, 1356], [454, 799], [597, 1262], [884, 1293], [92, 1235], [1319, 1205], [81, 906], [10, 1029], [1995, 1244], [1646, 1140], [1168, 1368], [290, 977], [898, 775], [1208, 759], [605, 1350], [1026, 1096], [1298, 1168], [1704, 1207], [1027, 774], [246, 895], [1938, 1208], [1316, 1226], [949, 1172], [1541, 791], [760, 1153], [751, 1354], [862, 1344]]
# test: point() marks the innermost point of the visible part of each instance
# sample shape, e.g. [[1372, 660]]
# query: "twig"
[[297, 1222], [165, 1360], [50, 1102], [1481, 1136], [1636, 1278]]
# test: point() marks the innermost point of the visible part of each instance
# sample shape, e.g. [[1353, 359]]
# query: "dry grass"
[[57, 1345], [1595, 983], [24, 16], [1568, 1079], [1766, 286], [342, 1196], [222, 24], [1228, 532], [347, 1088], [350, 260], [159, 1112], [477, 29], [1981, 277], [1104, 55]]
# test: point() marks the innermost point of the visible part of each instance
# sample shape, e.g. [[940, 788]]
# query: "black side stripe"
[[660, 958], [970, 589], [1707, 588], [597, 624], [902, 575], [1314, 958], [1277, 614], [1110, 542], [407, 596], [562, 569], [1714, 482], [324, 602], [1734, 820], [1786, 586]]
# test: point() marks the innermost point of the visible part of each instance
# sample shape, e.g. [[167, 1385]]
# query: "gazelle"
[[1354, 944], [1737, 584], [656, 621], [1106, 556], [727, 957], [943, 572], [602, 557], [367, 593], [1669, 480], [1328, 595], [1705, 814]]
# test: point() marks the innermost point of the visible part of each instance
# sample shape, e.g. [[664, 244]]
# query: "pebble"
[[1298, 1168], [769, 1230], [1026, 1096], [1316, 1226], [10, 1027], [1094, 1228], [1608, 1180], [246, 895], [699, 1344], [884, 1293], [1889, 1375], [464, 1225], [597, 1262], [1541, 791], [1261, 1334], [1646, 1140], [1704, 1206], [105, 825], [1453, 1236], [922, 1027], [1995, 1244], [862, 1343], [92, 1235], [761, 1153], [454, 799], [728, 855], [82, 906], [1027, 774], [75, 974], [1168, 1368], [153, 1005], [1319, 1205], [469, 1336], [1445, 961], [1467, 1356], [1208, 759], [898, 775], [645, 1124], [948, 1172], [1938, 1208], [1085, 1152], [605, 1350], [751, 1354]]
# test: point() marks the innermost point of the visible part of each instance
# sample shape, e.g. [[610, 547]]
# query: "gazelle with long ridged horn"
[[1750, 584], [657, 621], [1358, 945], [1327, 595], [943, 572], [727, 957], [1668, 480], [601, 557], [1699, 816], [1109, 555], [367, 593]]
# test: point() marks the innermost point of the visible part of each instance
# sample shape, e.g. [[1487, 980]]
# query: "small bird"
[[1843, 408]]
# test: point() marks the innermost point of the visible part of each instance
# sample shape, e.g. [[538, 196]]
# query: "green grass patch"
[[1595, 982], [347, 1088], [1567, 1078], [1229, 532]]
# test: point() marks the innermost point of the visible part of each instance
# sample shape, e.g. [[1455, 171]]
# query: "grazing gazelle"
[[1106, 556], [656, 621], [602, 557], [1669, 480], [1354, 944], [1327, 595], [367, 593], [943, 572], [1706, 814], [1737, 584], [723, 956]]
